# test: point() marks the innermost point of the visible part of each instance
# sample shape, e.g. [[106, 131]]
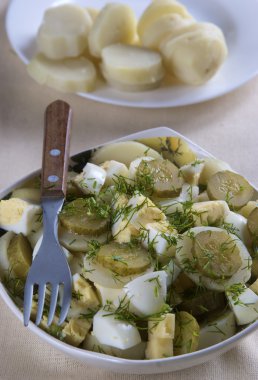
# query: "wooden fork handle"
[[56, 149]]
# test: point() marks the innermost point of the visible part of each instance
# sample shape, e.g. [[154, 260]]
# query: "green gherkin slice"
[[199, 303], [252, 222], [80, 217], [252, 225], [123, 259], [19, 253], [186, 333], [216, 253], [160, 177], [230, 187]]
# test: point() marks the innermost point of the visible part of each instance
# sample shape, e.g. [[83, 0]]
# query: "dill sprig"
[[14, 285], [235, 291], [90, 206], [123, 313], [182, 219], [92, 248]]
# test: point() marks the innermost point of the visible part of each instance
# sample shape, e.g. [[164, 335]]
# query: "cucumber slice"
[[252, 222], [80, 217], [217, 256], [160, 178], [123, 259], [20, 255], [186, 333], [199, 303], [230, 187]]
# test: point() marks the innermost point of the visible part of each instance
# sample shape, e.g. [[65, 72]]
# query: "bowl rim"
[[108, 359]]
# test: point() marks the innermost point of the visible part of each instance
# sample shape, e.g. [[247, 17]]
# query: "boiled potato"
[[158, 9], [125, 152], [131, 67], [195, 56], [64, 31], [69, 75], [171, 24], [212, 166], [115, 23]]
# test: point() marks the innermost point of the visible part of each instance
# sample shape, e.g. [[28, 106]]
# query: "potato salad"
[[76, 46], [162, 246]]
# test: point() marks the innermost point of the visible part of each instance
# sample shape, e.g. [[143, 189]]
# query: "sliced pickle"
[[20, 255], [248, 208], [202, 302], [252, 223], [172, 148], [160, 177], [183, 283], [123, 259], [230, 187], [254, 268], [72, 191], [216, 253], [186, 333], [78, 217], [180, 151]]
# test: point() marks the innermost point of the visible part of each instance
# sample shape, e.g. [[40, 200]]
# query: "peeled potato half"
[[195, 56], [68, 75], [115, 23], [132, 66], [158, 9], [64, 31], [171, 24]]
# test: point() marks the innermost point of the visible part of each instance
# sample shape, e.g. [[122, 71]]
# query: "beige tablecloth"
[[227, 127]]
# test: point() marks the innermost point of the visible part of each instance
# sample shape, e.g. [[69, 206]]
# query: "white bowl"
[[115, 364]]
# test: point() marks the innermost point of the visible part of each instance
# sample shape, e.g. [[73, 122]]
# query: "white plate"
[[111, 363], [237, 19]]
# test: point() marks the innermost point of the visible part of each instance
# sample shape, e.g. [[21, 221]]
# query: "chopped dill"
[[235, 291], [92, 249], [123, 313]]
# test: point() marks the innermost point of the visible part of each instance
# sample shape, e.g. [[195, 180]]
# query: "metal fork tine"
[[41, 301], [65, 302], [53, 301], [28, 293]]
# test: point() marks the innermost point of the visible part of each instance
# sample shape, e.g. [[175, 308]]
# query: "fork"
[[50, 266]]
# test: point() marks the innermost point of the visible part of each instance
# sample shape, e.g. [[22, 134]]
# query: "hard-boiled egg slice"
[[113, 170], [210, 213], [19, 216], [191, 172], [113, 332], [243, 302], [135, 164], [91, 180], [238, 224], [91, 343], [158, 236], [107, 295], [147, 293]]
